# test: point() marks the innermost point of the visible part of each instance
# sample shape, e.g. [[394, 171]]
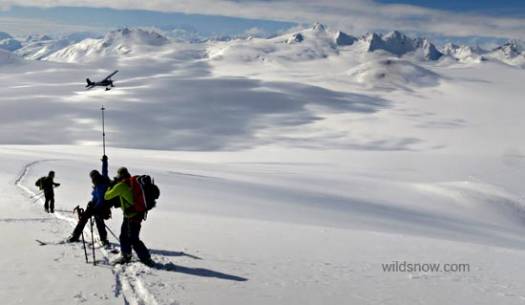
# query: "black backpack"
[[150, 190], [39, 182]]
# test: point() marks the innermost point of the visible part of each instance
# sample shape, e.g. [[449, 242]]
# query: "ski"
[[47, 243]]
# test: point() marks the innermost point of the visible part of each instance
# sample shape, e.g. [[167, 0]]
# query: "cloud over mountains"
[[352, 15]]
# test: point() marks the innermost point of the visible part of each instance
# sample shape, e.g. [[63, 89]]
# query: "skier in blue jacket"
[[97, 207]]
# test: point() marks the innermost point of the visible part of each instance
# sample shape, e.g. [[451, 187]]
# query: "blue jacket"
[[97, 196]]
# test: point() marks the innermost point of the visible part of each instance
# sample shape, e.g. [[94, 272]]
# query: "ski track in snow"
[[127, 283]]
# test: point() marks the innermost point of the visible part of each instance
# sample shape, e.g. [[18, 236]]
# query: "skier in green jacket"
[[131, 224]]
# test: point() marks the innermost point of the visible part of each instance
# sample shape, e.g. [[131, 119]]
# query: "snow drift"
[[393, 74]]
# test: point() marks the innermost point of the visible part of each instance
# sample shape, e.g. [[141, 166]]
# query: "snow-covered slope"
[[38, 47], [270, 228], [393, 74], [462, 53], [121, 42], [512, 53], [311, 44], [291, 170], [320, 42], [371, 61]]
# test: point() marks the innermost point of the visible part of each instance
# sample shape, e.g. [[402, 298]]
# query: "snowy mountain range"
[[390, 61], [313, 43], [115, 43], [38, 47]]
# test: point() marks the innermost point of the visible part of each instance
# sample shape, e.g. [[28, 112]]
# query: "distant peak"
[[400, 44], [296, 38], [513, 45], [319, 28], [396, 36], [38, 37], [343, 39], [371, 37], [136, 35]]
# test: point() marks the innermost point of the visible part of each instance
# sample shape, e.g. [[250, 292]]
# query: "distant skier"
[[97, 207], [130, 195], [47, 185]]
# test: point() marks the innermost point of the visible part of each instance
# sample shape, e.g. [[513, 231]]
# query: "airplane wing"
[[111, 75]]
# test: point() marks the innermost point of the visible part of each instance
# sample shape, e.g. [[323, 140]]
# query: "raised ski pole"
[[79, 211], [92, 241], [103, 131]]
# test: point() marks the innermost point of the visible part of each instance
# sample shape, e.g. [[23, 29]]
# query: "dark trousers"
[[99, 221], [49, 203], [129, 238]]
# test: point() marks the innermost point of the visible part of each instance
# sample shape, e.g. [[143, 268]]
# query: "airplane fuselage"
[[107, 82]]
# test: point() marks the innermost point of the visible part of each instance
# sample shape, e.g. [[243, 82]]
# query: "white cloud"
[[357, 16], [23, 26]]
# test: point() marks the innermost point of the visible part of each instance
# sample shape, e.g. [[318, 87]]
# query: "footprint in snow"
[[80, 297]]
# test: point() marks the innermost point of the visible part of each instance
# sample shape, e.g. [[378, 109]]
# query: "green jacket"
[[123, 191]]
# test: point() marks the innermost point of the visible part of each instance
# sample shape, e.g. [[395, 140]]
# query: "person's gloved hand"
[[104, 158]]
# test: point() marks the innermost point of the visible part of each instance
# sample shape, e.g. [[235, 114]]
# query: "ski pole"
[[84, 243], [92, 241], [107, 227], [79, 214], [103, 132]]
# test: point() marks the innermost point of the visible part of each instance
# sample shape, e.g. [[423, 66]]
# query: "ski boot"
[[72, 239], [148, 262], [122, 260]]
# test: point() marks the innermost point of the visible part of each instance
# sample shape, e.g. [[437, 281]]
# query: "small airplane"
[[106, 82]]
